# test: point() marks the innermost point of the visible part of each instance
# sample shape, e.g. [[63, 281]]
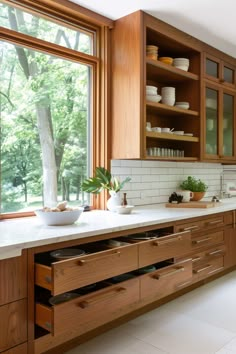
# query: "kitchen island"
[[183, 248]]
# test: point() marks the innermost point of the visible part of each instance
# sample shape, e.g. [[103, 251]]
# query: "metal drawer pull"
[[83, 261], [216, 270], [183, 284], [162, 242], [215, 252], [191, 228], [102, 297], [48, 279], [160, 276], [196, 259], [202, 240], [196, 271], [215, 222]]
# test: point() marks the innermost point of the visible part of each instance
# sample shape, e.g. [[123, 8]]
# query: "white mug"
[[187, 195]]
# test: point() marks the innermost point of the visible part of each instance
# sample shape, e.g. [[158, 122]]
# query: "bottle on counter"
[[124, 200]]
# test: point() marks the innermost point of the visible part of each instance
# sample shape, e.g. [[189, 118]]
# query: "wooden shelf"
[[147, 157], [164, 109], [156, 70], [168, 136]]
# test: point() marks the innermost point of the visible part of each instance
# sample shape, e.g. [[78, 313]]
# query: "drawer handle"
[[182, 285], [83, 261], [194, 227], [48, 279], [216, 252], [196, 271], [195, 259], [48, 325], [214, 222], [160, 276], [202, 240], [216, 270], [108, 295], [162, 242]]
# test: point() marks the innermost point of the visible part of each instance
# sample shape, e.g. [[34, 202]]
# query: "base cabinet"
[[19, 349]]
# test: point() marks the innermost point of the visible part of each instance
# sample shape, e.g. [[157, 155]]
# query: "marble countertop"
[[28, 232]]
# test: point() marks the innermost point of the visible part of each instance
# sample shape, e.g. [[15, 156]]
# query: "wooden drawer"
[[20, 349], [203, 240], [163, 248], [165, 281], [202, 225], [76, 272], [209, 254], [13, 324], [206, 269], [88, 311]]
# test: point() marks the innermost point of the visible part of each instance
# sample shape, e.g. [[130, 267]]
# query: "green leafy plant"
[[194, 185], [103, 180]]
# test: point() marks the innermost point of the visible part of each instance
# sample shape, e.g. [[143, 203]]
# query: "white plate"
[[188, 134]]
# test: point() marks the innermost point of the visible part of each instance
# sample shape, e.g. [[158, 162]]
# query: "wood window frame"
[[65, 12]]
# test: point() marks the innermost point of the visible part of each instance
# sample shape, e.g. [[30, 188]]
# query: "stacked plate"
[[152, 52], [183, 105], [181, 63], [151, 94], [168, 95]]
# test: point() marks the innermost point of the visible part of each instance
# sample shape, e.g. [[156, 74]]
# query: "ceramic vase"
[[113, 201], [198, 196]]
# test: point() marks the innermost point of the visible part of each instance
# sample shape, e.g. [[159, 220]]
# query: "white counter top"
[[18, 234]]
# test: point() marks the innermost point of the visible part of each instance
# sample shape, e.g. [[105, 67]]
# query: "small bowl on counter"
[[124, 209], [60, 218]]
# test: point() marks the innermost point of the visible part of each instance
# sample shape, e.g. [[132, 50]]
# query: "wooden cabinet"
[[13, 304], [19, 349], [132, 71]]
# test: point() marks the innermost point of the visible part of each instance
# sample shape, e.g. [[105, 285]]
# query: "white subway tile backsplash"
[[153, 181]]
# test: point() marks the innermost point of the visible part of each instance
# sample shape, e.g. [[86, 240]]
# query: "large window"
[[46, 111]]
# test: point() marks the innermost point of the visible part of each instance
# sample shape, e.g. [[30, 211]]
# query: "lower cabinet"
[[19, 349], [13, 324]]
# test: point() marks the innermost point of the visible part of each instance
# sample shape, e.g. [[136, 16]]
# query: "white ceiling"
[[212, 21]]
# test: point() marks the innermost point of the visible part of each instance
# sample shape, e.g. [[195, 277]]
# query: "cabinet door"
[[219, 123], [219, 71]]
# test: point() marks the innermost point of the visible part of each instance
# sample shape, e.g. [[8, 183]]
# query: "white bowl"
[[53, 218], [165, 130], [124, 209], [152, 88], [170, 101], [178, 132], [153, 98], [182, 67], [183, 105]]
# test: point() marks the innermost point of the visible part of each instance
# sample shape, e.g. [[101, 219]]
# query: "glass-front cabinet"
[[219, 71], [219, 123]]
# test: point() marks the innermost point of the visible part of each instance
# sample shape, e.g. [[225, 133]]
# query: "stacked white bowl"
[[168, 95], [181, 63], [151, 94]]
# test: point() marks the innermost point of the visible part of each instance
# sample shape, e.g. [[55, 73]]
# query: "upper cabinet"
[[219, 110], [202, 130]]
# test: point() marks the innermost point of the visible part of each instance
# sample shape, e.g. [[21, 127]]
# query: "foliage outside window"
[[46, 115]]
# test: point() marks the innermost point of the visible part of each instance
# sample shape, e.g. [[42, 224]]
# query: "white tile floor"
[[200, 322]]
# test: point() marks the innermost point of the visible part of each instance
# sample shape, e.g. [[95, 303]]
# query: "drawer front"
[[13, 324], [164, 248], [20, 349], [166, 280], [209, 254], [206, 269], [88, 311], [70, 274], [207, 239], [202, 225]]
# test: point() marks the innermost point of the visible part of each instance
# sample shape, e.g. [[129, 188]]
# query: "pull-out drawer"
[[207, 239], [77, 272], [88, 311], [209, 254], [163, 248], [208, 268], [165, 281], [202, 225]]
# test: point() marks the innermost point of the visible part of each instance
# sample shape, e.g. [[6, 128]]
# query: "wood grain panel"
[[20, 349], [13, 274], [13, 324]]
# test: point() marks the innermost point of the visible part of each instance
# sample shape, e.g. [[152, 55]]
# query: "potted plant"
[[103, 180], [197, 186]]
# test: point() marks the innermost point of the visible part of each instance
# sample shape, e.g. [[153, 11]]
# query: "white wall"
[[153, 181]]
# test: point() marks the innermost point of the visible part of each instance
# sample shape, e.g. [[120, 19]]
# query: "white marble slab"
[[18, 234]]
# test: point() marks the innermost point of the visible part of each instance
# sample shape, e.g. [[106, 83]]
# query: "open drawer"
[[88, 311], [66, 275], [165, 281], [164, 247]]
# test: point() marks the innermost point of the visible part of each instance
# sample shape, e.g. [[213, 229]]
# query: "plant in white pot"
[[103, 180]]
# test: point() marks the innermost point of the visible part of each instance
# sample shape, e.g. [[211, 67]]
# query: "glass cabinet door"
[[228, 126], [212, 68], [211, 121]]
